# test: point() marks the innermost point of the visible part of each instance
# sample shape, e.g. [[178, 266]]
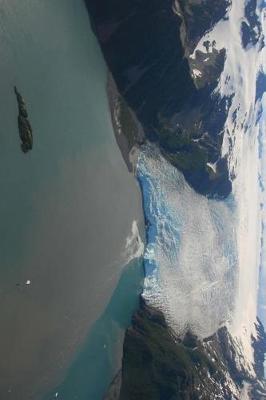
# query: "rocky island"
[[24, 126]]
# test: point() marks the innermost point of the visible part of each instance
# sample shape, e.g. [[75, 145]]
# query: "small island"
[[24, 126]]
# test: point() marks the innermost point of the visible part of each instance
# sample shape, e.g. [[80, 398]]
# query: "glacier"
[[191, 256]]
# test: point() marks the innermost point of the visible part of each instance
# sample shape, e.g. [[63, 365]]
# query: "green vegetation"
[[194, 159], [128, 123], [179, 149], [156, 366]]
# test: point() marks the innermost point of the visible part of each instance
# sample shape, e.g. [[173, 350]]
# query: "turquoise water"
[[63, 206], [93, 369]]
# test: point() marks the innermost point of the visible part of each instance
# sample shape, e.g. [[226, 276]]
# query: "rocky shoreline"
[[128, 131]]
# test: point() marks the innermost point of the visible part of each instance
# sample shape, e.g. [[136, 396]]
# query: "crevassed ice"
[[191, 258]]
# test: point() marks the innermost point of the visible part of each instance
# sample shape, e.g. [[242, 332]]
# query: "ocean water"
[[64, 208], [99, 358]]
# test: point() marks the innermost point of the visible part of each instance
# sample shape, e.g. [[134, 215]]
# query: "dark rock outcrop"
[[251, 27], [24, 126], [199, 17], [114, 389]]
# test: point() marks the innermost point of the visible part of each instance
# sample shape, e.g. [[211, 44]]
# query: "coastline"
[[128, 138]]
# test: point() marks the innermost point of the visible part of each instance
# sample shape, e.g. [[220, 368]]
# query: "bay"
[[67, 206]]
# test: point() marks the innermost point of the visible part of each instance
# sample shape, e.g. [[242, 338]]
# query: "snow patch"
[[196, 73]]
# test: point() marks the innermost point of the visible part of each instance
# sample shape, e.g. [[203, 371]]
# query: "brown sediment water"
[[67, 206]]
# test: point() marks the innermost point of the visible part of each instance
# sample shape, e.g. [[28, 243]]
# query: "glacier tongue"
[[191, 258]]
